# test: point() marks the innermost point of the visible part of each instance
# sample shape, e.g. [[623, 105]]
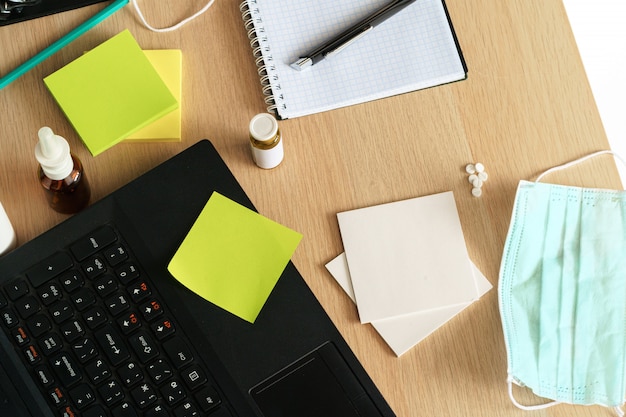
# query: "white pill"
[[477, 183], [479, 167], [477, 192], [470, 168], [483, 176], [472, 178]]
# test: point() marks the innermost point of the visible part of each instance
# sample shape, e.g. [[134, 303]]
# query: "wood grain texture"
[[526, 106]]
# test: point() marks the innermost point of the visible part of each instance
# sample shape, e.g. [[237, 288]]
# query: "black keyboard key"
[[208, 398], [159, 371], [115, 255], [112, 392], [105, 285], [117, 304], [66, 369], [50, 344], [32, 355], [97, 371], [94, 317], [49, 268], [162, 328], [9, 319], [82, 396], [3, 301], [139, 291], [49, 293], [125, 410], [157, 411], [130, 374], [178, 352], [83, 298], [112, 345], [129, 322], [44, 376], [151, 310], [38, 325], [94, 267], [95, 411], [27, 306], [193, 377], [68, 411], [186, 409], [61, 311], [72, 330], [144, 395], [93, 242], [173, 392], [127, 272], [144, 346], [84, 349], [17, 289], [72, 281], [57, 396], [20, 336]]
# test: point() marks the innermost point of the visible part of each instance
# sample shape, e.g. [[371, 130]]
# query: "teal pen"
[[62, 42]]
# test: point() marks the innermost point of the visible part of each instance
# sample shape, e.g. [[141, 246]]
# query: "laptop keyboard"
[[98, 339]]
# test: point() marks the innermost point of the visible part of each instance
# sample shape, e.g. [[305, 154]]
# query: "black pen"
[[347, 37]]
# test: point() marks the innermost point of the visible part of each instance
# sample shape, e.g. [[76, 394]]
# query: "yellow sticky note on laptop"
[[233, 256]]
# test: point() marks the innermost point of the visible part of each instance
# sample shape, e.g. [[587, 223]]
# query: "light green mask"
[[562, 294]]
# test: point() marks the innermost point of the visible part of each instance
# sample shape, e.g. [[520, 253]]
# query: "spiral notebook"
[[415, 49]]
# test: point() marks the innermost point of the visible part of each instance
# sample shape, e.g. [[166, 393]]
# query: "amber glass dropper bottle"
[[61, 173]]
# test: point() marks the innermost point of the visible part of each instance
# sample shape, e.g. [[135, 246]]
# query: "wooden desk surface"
[[525, 107]]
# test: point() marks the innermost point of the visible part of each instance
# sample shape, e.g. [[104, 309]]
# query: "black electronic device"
[[94, 325], [13, 11]]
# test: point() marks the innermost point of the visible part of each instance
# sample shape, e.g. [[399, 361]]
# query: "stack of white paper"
[[406, 266]]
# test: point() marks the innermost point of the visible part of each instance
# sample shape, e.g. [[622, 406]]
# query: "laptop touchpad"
[[319, 384]]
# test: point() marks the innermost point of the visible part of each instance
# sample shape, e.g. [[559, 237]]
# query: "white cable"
[[176, 26]]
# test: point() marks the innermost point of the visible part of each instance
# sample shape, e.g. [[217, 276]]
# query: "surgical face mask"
[[562, 293]]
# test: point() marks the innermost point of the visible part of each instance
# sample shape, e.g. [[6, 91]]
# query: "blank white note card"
[[407, 256], [402, 333]]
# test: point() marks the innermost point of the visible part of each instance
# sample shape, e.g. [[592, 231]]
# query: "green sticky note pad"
[[233, 256], [110, 92]]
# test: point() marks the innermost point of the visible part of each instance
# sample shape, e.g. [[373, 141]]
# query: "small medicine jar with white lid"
[[266, 141]]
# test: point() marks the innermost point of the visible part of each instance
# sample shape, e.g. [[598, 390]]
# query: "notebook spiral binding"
[[268, 75]]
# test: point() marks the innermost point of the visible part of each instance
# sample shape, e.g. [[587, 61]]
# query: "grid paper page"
[[412, 50]]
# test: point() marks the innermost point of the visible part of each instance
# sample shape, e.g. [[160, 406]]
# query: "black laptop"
[[93, 325]]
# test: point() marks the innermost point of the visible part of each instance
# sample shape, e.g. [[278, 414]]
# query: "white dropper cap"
[[53, 154]]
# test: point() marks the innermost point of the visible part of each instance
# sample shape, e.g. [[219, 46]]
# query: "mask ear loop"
[[176, 26], [578, 161], [618, 410], [527, 407]]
